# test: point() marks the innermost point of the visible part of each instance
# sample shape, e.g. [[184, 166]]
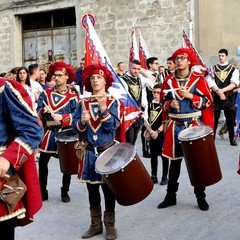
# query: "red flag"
[[200, 67], [96, 53], [143, 51], [94, 50], [133, 48]]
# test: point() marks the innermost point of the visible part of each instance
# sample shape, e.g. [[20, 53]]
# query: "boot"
[[96, 223], [44, 193], [170, 199], [109, 222], [201, 198], [66, 179], [65, 197], [164, 180]]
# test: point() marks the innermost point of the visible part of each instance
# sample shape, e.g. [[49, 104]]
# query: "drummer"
[[187, 102], [96, 120], [55, 108]]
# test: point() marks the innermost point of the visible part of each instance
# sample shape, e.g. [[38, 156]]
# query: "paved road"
[[143, 221]]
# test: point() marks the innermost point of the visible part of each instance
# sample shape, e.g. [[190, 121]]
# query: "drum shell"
[[202, 161], [67, 156], [131, 184]]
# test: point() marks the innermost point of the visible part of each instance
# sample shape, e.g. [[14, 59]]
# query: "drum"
[[124, 173], [200, 155], [66, 140]]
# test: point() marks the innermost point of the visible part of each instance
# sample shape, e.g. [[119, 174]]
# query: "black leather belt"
[[100, 148], [183, 123]]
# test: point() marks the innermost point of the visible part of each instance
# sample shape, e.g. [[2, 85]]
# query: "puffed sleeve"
[[23, 123]]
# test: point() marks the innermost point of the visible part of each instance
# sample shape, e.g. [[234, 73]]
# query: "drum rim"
[[64, 140], [118, 169], [194, 138]]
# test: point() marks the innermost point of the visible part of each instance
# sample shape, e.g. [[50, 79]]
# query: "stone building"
[[43, 30]]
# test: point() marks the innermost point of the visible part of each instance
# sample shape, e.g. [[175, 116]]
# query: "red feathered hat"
[[96, 69], [187, 52], [64, 68]]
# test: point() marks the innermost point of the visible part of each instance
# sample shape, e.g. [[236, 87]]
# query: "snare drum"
[[66, 140], [200, 155], [124, 173]]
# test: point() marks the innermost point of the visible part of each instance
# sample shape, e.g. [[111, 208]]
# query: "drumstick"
[[172, 90], [6, 176], [50, 110], [92, 96]]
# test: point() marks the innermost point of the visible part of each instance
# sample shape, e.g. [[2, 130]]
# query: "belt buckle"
[[96, 151]]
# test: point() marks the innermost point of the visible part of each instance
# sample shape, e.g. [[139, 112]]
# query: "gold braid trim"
[[21, 100], [185, 115], [24, 145], [20, 213]]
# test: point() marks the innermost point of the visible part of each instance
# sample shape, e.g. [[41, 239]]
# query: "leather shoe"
[[164, 181], [146, 155], [65, 197], [168, 201], [233, 143], [202, 203], [154, 179], [44, 195]]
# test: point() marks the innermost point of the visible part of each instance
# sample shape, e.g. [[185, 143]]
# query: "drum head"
[[66, 136], [194, 133], [115, 158]]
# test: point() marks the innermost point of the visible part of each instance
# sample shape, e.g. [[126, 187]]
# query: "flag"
[[94, 50], [200, 66], [144, 53], [96, 53], [118, 90], [133, 47]]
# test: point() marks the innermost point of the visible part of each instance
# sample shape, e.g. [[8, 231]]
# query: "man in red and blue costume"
[[186, 101], [20, 134], [96, 120], [55, 107]]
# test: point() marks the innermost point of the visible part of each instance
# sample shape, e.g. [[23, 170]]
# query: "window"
[[51, 19]]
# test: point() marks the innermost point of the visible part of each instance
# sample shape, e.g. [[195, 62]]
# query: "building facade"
[[46, 30]]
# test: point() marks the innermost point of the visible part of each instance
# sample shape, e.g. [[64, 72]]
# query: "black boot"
[[44, 193], [65, 197], [164, 180], [201, 198], [170, 199], [66, 179]]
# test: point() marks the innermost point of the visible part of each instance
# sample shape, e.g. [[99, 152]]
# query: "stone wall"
[[160, 22], [5, 40]]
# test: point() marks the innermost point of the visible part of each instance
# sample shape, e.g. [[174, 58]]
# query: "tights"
[[95, 198], [7, 229]]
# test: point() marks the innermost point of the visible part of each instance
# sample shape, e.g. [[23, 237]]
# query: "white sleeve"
[[235, 77], [146, 82], [210, 81]]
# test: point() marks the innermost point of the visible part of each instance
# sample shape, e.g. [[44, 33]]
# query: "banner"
[[144, 53], [200, 67], [133, 47], [94, 50], [118, 90], [95, 53]]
